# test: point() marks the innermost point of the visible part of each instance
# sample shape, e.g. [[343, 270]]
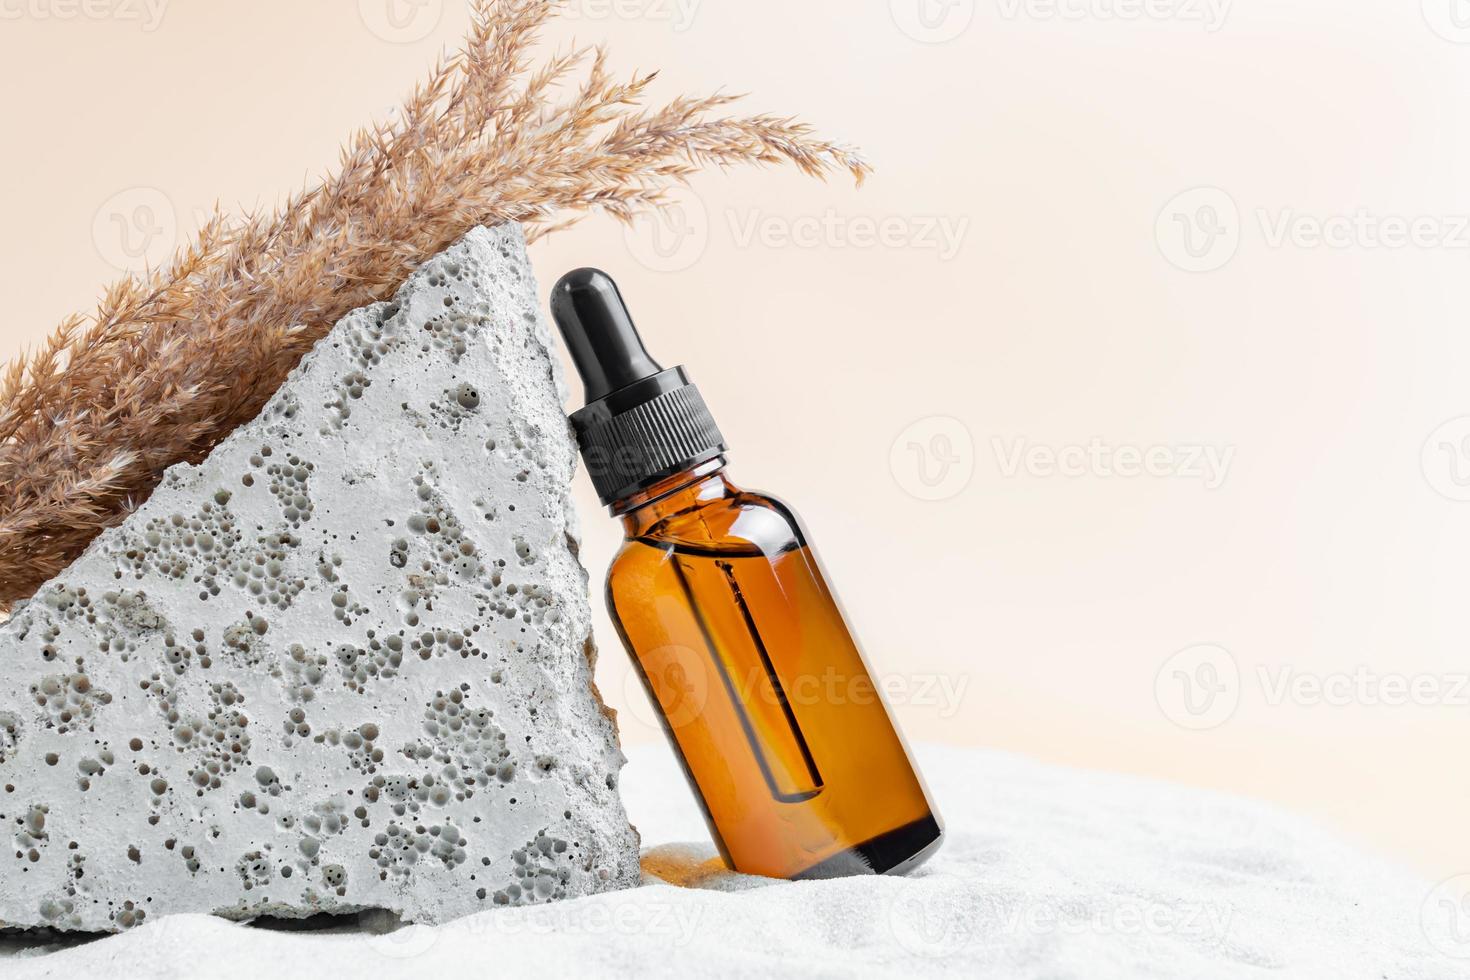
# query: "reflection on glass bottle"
[[735, 648]]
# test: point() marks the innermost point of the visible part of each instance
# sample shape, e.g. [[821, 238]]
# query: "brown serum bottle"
[[741, 646]]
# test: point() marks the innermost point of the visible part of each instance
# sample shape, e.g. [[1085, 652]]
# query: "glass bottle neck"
[[677, 494]]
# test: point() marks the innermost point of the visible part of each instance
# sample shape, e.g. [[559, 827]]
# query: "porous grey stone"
[[343, 663]]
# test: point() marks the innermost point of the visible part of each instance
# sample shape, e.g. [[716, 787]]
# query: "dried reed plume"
[[173, 360]]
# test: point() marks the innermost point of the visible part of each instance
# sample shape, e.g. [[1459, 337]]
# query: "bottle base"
[[894, 853]]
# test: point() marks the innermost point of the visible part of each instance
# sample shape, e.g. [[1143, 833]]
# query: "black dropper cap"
[[642, 423]]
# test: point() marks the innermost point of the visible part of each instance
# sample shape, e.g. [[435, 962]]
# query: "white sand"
[[1047, 874]]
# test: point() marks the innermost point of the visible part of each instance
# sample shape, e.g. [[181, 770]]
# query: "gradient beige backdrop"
[[1127, 402]]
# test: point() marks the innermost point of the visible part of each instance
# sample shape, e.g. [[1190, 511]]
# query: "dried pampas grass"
[[172, 361]]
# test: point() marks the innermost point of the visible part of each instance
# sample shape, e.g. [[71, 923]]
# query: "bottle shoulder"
[[741, 523]]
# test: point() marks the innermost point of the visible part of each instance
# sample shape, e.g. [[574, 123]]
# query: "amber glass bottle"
[[725, 611]]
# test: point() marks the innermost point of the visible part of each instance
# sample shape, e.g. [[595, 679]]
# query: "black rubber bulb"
[[599, 332]]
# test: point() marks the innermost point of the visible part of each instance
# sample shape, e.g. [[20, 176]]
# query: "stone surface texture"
[[342, 664]]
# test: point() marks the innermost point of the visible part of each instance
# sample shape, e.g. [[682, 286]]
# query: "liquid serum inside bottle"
[[727, 616]]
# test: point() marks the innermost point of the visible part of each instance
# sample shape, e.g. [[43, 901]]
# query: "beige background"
[[1017, 270]]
